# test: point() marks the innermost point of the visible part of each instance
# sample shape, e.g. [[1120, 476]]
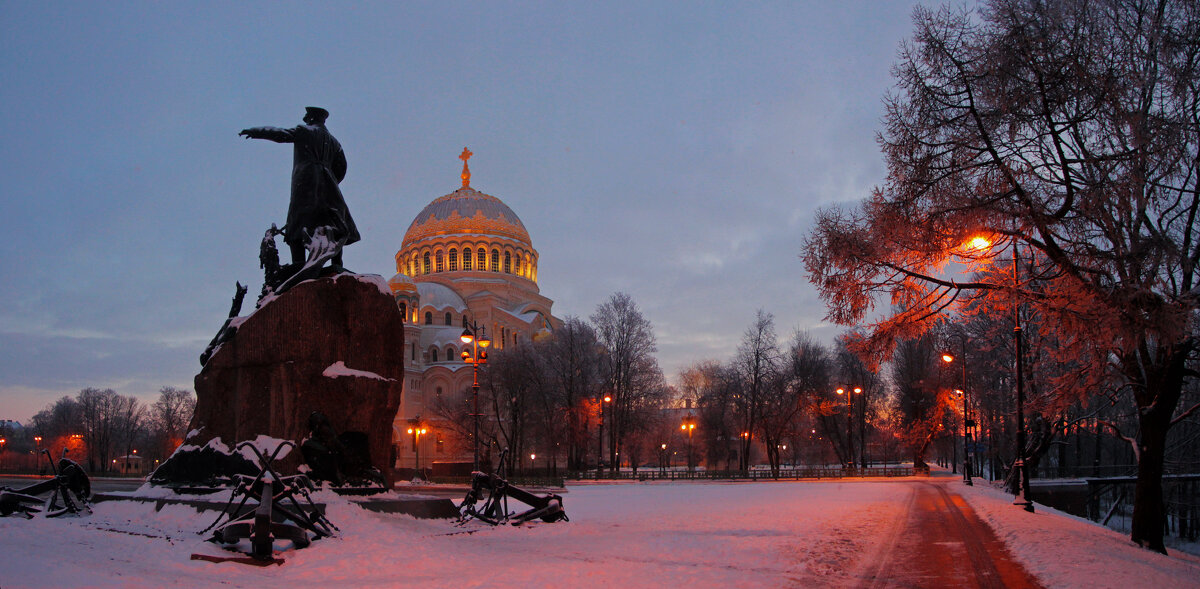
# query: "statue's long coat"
[[318, 165]]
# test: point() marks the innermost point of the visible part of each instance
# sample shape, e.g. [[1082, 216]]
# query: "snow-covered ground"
[[1063, 550], [651, 534]]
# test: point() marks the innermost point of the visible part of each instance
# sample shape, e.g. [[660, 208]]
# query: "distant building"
[[130, 464], [466, 257]]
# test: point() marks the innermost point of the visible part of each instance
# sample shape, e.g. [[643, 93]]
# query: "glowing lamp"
[[980, 243]]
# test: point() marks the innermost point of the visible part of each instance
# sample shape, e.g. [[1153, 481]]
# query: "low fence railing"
[[652, 474], [1110, 502], [752, 475]]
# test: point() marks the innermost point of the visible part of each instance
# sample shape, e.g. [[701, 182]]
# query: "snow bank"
[[1063, 550]]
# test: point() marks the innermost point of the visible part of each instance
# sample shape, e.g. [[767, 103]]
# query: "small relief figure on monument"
[[318, 219]]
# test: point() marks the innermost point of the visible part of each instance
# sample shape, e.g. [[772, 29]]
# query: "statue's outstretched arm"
[[272, 133]]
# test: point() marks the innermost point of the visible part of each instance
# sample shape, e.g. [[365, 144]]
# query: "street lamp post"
[[600, 440], [1022, 490], [662, 461], [962, 394], [746, 453], [689, 425], [850, 423], [476, 335], [417, 431]]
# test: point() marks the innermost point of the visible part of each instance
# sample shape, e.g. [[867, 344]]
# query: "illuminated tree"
[[921, 398], [1067, 132]]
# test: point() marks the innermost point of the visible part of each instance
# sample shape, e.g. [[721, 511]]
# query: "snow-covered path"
[[941, 543], [692, 535]]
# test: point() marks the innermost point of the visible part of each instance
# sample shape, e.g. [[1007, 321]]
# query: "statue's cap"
[[317, 112]]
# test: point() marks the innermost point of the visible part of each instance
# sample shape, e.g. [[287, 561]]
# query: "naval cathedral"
[[466, 260]]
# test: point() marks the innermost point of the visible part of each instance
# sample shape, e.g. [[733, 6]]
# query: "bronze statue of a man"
[[318, 166]]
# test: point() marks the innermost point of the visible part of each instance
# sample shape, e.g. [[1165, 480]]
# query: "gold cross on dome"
[[466, 173]]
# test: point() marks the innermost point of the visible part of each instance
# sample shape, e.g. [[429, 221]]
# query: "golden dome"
[[466, 211]]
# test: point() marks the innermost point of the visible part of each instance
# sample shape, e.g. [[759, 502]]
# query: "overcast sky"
[[673, 151]]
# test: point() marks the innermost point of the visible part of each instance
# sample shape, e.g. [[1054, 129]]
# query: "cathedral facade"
[[466, 259]]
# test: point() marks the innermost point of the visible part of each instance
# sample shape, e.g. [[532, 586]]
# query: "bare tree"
[[169, 417], [628, 362], [799, 375], [130, 421], [98, 410], [573, 359], [757, 365]]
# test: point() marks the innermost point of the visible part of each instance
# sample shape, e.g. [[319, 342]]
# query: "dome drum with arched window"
[[467, 231]]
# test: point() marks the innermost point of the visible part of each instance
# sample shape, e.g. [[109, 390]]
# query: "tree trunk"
[[1162, 386], [1149, 516], [919, 454], [772, 456]]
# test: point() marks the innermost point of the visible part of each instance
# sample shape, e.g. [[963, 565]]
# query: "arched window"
[[439, 265], [449, 354], [517, 270], [466, 259], [438, 393], [428, 318], [426, 259], [433, 355], [414, 351], [495, 261], [404, 312], [481, 260], [448, 318], [453, 260], [464, 321], [508, 262]]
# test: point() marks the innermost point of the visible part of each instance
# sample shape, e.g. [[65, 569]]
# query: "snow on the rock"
[[373, 279], [215, 443], [339, 369], [264, 443]]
